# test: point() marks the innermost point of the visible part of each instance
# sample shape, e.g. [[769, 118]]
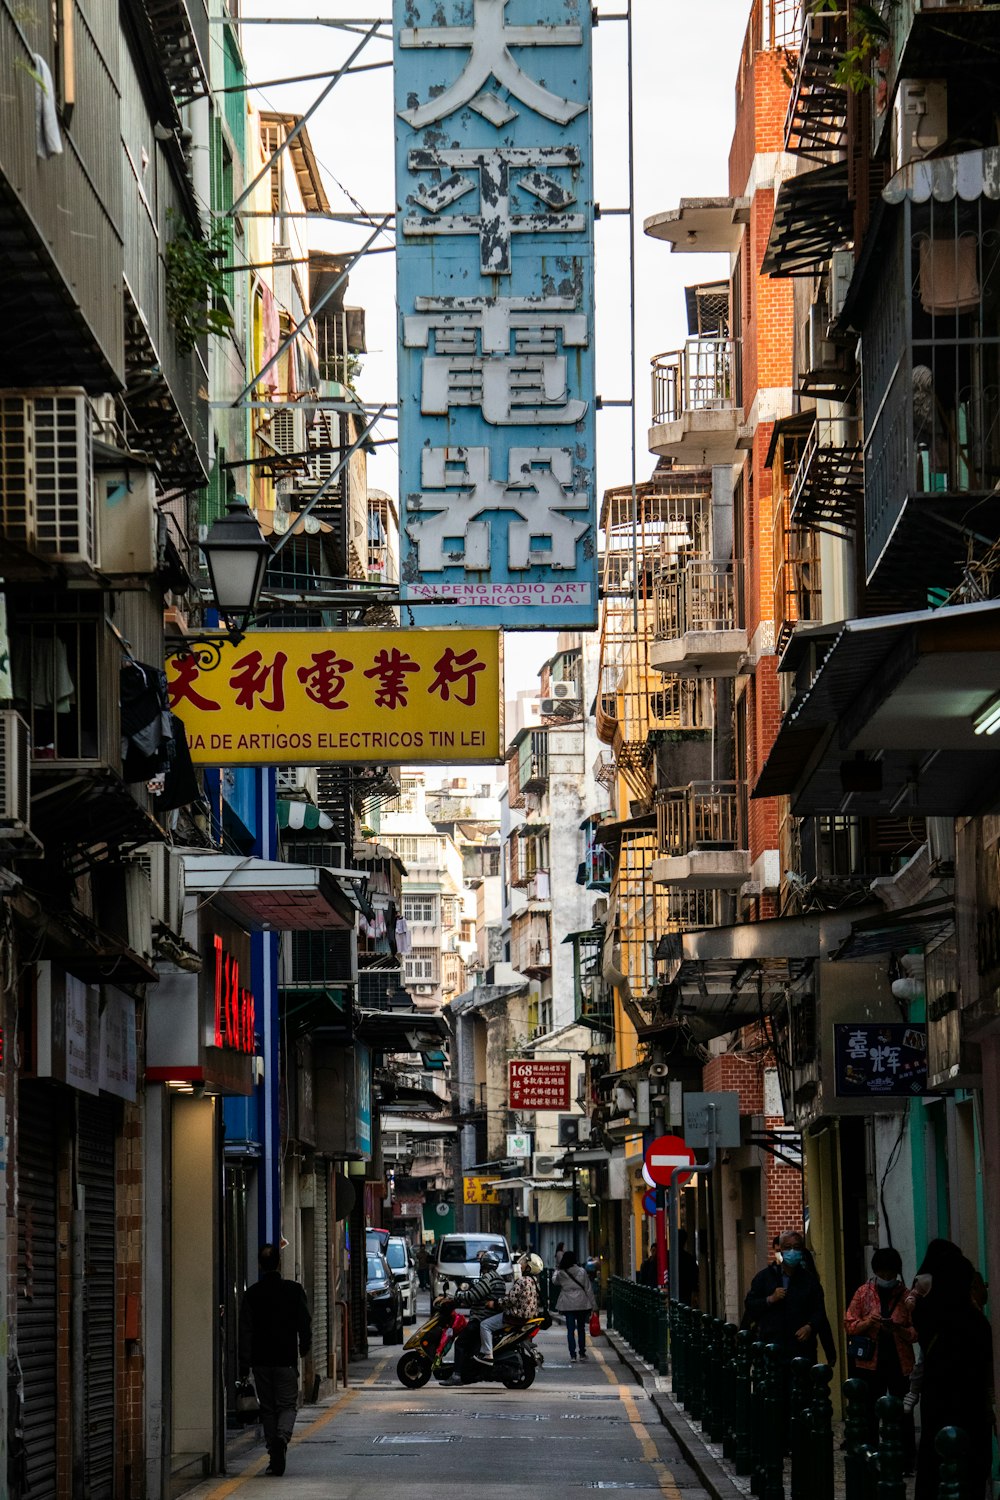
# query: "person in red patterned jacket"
[[881, 1335]]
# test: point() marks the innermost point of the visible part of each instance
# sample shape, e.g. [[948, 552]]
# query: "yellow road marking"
[[229, 1486], [626, 1394]]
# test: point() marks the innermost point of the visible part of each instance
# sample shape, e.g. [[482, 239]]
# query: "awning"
[[609, 834], [271, 895], [812, 219], [308, 1010], [887, 725], [898, 931], [295, 815], [969, 175], [721, 978], [402, 1030]]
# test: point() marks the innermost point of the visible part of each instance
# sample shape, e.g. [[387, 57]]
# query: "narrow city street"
[[580, 1427]]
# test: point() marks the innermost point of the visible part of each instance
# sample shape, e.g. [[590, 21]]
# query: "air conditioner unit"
[[561, 707], [840, 275], [919, 120], [15, 768], [565, 690], [127, 520], [322, 441], [285, 432], [543, 1165], [138, 908], [46, 474], [165, 873]]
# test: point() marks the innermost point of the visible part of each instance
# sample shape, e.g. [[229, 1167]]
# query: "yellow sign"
[[304, 697], [480, 1190]]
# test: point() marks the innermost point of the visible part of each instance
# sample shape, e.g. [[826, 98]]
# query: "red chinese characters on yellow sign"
[[305, 697]]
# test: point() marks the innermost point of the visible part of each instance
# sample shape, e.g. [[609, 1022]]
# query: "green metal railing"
[[764, 1409]]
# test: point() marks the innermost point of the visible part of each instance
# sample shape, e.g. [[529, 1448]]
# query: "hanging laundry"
[[541, 885], [147, 723], [48, 141], [181, 783], [272, 335], [404, 943]]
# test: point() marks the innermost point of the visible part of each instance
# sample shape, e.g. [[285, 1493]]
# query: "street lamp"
[[236, 555]]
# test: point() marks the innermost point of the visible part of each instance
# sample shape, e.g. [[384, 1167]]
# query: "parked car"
[[376, 1240], [404, 1268], [385, 1300], [457, 1258]]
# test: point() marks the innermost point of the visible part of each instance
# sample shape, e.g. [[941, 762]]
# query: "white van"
[[457, 1259]]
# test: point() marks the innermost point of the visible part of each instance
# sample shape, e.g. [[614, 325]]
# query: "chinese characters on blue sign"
[[877, 1059], [494, 237]]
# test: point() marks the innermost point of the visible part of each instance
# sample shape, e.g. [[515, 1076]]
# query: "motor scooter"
[[516, 1358]]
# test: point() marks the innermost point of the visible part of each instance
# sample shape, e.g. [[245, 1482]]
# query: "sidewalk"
[[715, 1472]]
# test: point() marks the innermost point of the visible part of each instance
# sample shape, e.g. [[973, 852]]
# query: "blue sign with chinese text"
[[495, 289], [878, 1059]]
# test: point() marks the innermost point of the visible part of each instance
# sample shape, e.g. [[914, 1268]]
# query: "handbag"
[[861, 1347], [595, 1323], [247, 1405]]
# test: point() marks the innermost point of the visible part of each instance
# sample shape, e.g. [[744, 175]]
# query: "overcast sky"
[[686, 53]]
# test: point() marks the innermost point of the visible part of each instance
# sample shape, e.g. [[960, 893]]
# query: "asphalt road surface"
[[582, 1427]]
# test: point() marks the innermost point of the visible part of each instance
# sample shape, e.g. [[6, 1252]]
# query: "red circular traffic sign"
[[664, 1155]]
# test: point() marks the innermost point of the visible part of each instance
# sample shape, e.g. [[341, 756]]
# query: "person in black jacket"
[[275, 1329], [785, 1301]]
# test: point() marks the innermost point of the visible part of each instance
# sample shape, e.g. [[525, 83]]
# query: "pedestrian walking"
[[576, 1302], [687, 1271], [423, 1268], [785, 1301], [956, 1348], [880, 1339], [560, 1252], [275, 1329]]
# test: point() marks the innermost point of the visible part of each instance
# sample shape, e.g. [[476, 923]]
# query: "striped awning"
[[969, 175], [297, 815]]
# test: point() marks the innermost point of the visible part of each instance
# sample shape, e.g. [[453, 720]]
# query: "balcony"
[[701, 226], [934, 38], [828, 485], [695, 414], [688, 910], [531, 943], [699, 837], [697, 619], [60, 301], [931, 380], [816, 122]]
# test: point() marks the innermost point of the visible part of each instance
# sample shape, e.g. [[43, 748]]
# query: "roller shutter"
[[37, 1334], [321, 1262], [96, 1157]]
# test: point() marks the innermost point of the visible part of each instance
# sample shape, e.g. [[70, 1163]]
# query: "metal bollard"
[[821, 1433], [709, 1389], [743, 1386], [758, 1390], [663, 1332], [799, 1433], [729, 1332], [772, 1467], [891, 1484], [952, 1446], [718, 1416], [856, 1428], [696, 1367]]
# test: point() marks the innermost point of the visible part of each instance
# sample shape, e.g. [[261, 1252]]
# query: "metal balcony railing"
[[830, 480], [702, 815], [699, 377], [533, 764], [816, 120], [688, 910], [696, 595]]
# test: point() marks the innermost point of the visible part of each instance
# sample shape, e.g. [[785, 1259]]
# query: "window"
[[420, 965], [408, 849], [419, 909]]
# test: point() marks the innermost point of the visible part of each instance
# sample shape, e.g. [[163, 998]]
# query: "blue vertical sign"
[[495, 290]]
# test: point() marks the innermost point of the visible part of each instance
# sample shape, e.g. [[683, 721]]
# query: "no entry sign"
[[663, 1155]]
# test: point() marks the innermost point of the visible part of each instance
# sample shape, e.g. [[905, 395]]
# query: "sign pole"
[[661, 1236], [576, 1206]]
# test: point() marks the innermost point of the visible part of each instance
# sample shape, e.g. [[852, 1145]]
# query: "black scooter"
[[516, 1358]]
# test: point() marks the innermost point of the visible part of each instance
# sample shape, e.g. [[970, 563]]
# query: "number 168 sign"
[[538, 1085]]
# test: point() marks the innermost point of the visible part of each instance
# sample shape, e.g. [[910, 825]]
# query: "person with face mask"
[[785, 1304], [880, 1338]]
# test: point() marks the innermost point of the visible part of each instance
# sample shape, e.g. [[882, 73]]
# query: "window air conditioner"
[[138, 908], [565, 690], [919, 120], [841, 272], [15, 788], [127, 520], [46, 475], [285, 432]]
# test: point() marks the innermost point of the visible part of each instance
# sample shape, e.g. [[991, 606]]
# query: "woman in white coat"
[[576, 1302]]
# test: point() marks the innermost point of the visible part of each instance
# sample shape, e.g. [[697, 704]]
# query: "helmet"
[[488, 1263], [532, 1265]]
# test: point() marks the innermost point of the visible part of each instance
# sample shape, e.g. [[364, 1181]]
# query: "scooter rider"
[[520, 1304], [485, 1300]]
